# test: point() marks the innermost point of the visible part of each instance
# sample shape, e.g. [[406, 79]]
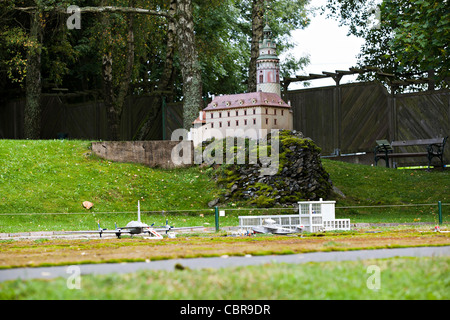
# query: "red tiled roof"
[[198, 118], [251, 99]]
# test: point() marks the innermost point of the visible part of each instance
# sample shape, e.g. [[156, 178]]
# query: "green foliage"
[[411, 38]]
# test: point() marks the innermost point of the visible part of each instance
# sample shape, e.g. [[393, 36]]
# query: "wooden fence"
[[88, 120], [349, 118]]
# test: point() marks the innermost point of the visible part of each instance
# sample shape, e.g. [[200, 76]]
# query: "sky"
[[328, 46]]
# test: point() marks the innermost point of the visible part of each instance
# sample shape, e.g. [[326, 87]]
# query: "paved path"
[[220, 262]]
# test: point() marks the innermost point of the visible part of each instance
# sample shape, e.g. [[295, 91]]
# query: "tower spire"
[[268, 64]]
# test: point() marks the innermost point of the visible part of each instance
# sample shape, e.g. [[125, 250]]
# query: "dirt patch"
[[55, 252]]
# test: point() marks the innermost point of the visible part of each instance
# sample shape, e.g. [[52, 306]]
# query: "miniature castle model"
[[251, 111]]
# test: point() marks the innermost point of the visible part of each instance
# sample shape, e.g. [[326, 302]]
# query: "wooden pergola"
[[338, 74]]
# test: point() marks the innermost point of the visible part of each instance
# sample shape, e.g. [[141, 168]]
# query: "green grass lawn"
[[56, 176], [399, 278], [380, 186]]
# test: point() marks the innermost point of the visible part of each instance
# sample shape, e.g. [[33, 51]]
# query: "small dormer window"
[[253, 100], [228, 103]]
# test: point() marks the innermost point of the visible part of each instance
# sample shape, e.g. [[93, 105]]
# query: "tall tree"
[[33, 110], [408, 38], [35, 36], [190, 66], [166, 76], [115, 90]]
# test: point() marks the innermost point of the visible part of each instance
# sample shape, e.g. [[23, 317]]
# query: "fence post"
[[440, 212], [217, 218]]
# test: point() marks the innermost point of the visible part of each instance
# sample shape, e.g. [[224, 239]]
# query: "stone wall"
[[150, 153]]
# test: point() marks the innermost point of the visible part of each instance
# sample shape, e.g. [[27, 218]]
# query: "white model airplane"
[[132, 227], [269, 226]]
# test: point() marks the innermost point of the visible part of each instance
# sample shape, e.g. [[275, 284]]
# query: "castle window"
[[267, 120], [237, 113], [254, 121], [275, 112], [229, 123], [275, 121], [254, 111], [261, 78], [245, 112], [220, 114], [237, 122], [267, 111], [212, 115], [282, 112], [212, 124], [220, 124], [245, 122], [228, 112]]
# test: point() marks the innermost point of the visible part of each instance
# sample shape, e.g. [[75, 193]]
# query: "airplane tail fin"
[[139, 211], [167, 226]]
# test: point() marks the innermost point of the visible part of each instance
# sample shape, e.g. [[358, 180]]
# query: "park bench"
[[435, 149]]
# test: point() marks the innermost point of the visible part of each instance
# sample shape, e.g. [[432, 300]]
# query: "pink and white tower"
[[268, 65]]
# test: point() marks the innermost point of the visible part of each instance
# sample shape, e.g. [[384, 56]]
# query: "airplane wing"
[[272, 227], [98, 231]]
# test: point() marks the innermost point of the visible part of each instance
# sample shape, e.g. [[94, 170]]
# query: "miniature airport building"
[[313, 216]]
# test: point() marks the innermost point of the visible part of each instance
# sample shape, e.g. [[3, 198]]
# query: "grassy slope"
[[57, 176], [377, 186]]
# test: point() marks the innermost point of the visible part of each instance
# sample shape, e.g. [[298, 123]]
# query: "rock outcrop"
[[300, 176]]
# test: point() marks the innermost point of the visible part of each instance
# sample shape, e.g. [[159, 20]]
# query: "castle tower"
[[268, 65]]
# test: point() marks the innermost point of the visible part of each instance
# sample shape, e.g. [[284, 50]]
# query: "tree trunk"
[[33, 111], [190, 67], [166, 77], [257, 33], [114, 102]]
